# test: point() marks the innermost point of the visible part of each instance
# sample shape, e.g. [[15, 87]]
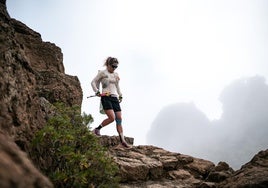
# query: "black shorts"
[[109, 103]]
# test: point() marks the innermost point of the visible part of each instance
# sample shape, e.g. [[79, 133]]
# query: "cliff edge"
[[150, 166], [32, 77]]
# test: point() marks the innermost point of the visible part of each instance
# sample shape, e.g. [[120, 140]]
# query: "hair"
[[110, 61]]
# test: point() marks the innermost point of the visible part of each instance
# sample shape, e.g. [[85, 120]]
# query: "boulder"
[[16, 169]]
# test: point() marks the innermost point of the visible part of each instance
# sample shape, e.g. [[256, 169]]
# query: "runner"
[[111, 96]]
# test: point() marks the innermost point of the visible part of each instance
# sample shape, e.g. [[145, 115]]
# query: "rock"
[[156, 167], [200, 168], [150, 166], [221, 172], [31, 79], [16, 169], [179, 174], [30, 71], [253, 174], [110, 141]]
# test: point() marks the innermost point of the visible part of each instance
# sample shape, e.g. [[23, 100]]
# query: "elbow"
[[93, 86]]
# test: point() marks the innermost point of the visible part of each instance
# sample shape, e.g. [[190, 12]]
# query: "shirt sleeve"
[[95, 83]]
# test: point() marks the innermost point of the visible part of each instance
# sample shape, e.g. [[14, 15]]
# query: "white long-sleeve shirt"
[[109, 82]]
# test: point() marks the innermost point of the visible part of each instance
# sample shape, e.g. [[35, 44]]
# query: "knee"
[[111, 119], [118, 121]]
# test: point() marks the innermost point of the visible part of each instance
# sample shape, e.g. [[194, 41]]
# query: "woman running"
[[111, 96]]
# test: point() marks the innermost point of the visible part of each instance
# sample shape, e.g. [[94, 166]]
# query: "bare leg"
[[110, 118], [119, 128]]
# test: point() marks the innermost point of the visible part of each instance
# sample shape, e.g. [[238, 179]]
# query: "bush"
[[70, 155]]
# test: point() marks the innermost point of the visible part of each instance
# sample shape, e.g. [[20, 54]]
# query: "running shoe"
[[125, 145], [96, 132]]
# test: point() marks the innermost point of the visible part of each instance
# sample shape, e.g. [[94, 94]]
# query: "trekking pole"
[[92, 96], [101, 95]]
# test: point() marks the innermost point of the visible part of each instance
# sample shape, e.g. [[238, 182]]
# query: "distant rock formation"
[[32, 78]]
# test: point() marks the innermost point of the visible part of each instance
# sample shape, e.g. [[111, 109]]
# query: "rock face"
[[31, 78], [16, 170], [31, 73]]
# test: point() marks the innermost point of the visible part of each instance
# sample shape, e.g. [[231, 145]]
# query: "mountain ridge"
[[33, 77]]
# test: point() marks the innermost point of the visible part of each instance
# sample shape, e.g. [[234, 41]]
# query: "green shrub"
[[70, 155]]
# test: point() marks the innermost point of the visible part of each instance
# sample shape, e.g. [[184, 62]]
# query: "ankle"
[[99, 127]]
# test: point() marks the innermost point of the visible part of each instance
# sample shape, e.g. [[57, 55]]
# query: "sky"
[[235, 137], [173, 54]]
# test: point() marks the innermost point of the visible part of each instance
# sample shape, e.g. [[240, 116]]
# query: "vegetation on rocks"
[[70, 155]]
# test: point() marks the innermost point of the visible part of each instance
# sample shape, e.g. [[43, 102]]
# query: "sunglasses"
[[114, 66]]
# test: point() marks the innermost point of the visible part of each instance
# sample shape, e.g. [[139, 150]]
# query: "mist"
[[235, 137]]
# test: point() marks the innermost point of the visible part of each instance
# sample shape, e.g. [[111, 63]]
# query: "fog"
[[235, 137], [170, 51]]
